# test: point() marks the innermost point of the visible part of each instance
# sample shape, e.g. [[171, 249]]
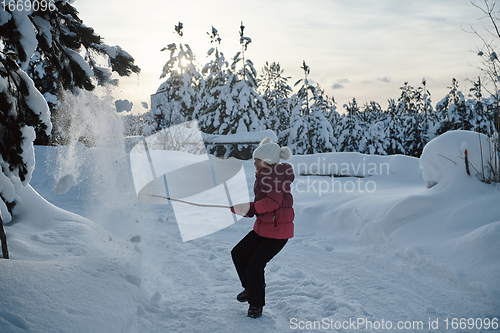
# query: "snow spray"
[[93, 154]]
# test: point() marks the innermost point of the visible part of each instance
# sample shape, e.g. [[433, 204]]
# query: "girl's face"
[[259, 164]]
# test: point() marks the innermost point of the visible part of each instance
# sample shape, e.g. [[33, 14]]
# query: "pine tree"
[[298, 139], [228, 102], [298, 134], [245, 41], [174, 101], [370, 112], [350, 132], [412, 108], [243, 109], [372, 117], [427, 114], [215, 76], [274, 89], [320, 129], [483, 120], [452, 111], [394, 136]]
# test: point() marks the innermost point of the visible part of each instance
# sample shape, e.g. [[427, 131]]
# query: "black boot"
[[243, 296], [254, 311]]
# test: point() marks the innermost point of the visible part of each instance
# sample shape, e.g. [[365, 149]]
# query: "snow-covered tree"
[[59, 36], [320, 129], [228, 103], [350, 131], [240, 108], [22, 109], [373, 118], [393, 141], [483, 119], [45, 79], [369, 112], [49, 49], [275, 90], [174, 101], [298, 138], [375, 137], [245, 41], [452, 111], [215, 75], [410, 109]]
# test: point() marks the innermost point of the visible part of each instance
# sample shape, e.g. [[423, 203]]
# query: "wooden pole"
[[188, 202]]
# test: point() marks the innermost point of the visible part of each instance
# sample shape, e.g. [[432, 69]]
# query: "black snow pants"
[[250, 257]]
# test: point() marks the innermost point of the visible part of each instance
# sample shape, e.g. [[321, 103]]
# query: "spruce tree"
[[58, 36], [22, 109]]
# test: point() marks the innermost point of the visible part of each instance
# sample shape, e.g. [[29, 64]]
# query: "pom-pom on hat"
[[270, 152]]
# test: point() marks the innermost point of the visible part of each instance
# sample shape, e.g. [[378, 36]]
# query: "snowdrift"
[[450, 229], [66, 274], [447, 152]]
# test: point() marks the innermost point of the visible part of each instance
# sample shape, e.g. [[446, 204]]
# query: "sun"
[[183, 65]]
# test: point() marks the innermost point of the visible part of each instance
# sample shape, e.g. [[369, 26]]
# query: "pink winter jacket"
[[273, 203]]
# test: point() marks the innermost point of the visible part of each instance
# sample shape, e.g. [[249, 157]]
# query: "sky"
[[363, 49]]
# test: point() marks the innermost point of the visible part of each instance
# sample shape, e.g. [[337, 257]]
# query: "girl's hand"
[[241, 209]]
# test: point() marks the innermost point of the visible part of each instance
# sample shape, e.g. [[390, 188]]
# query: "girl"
[[273, 226]]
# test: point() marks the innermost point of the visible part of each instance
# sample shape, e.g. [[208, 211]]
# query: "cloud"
[[384, 79], [340, 84]]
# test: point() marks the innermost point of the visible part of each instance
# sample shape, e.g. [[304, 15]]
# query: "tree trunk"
[[3, 239]]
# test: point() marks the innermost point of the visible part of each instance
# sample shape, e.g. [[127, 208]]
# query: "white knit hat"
[[270, 152]]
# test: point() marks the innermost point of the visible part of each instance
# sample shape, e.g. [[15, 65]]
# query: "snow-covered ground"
[[88, 256]]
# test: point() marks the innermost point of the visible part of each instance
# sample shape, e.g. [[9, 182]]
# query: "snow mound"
[[446, 153], [43, 231], [66, 273]]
